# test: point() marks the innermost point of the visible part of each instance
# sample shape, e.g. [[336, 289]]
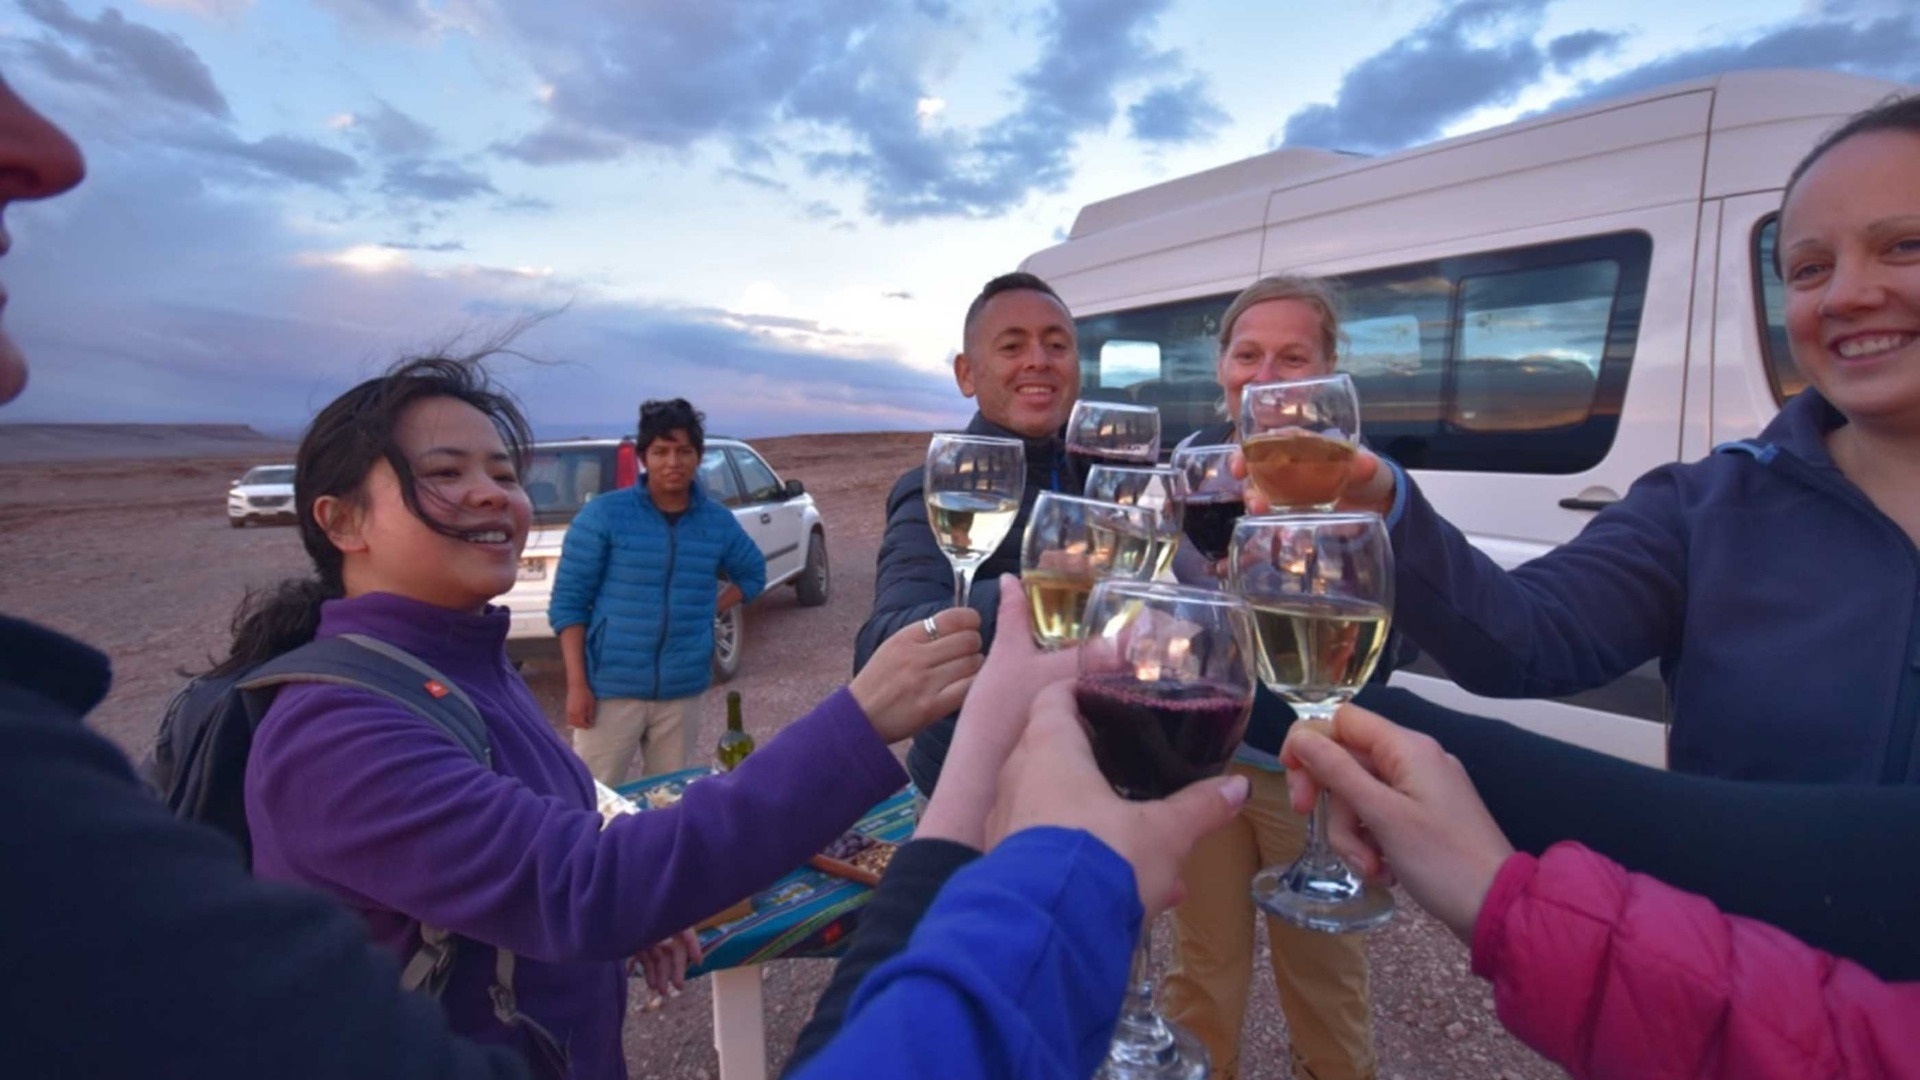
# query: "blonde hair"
[[1316, 293]]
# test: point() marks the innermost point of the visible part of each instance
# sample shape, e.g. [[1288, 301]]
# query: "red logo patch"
[[434, 688]]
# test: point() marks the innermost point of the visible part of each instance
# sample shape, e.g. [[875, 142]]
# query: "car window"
[[716, 477], [762, 485], [560, 480]]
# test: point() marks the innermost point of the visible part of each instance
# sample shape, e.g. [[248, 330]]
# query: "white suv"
[[781, 518], [265, 493]]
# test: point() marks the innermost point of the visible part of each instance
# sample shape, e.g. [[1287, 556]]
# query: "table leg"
[[740, 1023]]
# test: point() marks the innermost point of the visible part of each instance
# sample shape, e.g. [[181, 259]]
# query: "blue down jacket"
[[645, 587]]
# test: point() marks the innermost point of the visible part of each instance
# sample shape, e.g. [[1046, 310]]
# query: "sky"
[[778, 209]]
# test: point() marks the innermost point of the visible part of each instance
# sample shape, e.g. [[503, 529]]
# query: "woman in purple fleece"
[[409, 504]]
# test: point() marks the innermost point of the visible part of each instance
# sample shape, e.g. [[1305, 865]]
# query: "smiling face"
[[465, 480], [37, 160], [1850, 255], [1022, 363], [1273, 341]]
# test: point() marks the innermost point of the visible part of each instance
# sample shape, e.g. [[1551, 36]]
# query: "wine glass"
[[973, 486], [1321, 590], [1299, 438], [1215, 498], [1112, 431], [1165, 688], [1070, 544], [1159, 488]]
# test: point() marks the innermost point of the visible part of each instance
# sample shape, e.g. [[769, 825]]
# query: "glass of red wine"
[[1114, 432], [1165, 687], [1214, 500]]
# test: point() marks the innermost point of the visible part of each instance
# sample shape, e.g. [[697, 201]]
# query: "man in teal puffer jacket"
[[635, 598]]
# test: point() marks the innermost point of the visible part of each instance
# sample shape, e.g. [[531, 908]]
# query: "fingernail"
[[1234, 789]]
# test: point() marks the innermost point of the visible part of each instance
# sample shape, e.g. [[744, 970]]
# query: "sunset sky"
[[776, 208]]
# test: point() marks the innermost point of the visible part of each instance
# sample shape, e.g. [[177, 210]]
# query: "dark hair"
[[342, 445], [1897, 113], [1018, 281], [661, 418]]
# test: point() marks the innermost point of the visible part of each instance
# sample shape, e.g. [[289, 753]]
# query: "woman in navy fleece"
[[410, 507], [1777, 581]]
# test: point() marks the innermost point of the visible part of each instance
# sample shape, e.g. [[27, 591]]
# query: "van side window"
[[1161, 356], [716, 477], [1782, 372]]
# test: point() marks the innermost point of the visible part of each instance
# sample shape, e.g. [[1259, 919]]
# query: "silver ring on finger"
[[932, 628]]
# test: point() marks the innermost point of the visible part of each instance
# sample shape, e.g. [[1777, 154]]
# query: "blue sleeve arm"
[[1016, 971], [1575, 618], [583, 565], [744, 564]]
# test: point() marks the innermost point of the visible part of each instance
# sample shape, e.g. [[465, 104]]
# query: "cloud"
[[853, 74], [1471, 56], [402, 18], [561, 144], [748, 176], [1569, 50], [434, 181], [1180, 113], [205, 8], [387, 130], [281, 156], [124, 56], [1887, 47], [441, 246]]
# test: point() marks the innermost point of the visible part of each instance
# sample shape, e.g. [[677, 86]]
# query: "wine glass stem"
[[1317, 844], [1142, 1036], [962, 585]]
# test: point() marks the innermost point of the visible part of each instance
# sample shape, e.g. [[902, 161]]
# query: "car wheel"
[[238, 523], [729, 634], [815, 579]]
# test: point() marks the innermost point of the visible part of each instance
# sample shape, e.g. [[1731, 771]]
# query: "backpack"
[[199, 768]]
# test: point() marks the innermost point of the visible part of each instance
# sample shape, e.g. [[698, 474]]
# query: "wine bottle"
[[735, 743]]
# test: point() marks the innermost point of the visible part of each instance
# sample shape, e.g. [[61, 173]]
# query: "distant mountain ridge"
[[146, 442]]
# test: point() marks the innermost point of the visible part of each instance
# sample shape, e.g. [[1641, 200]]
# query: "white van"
[[1537, 314]]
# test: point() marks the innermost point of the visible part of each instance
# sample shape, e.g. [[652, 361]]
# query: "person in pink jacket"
[[1605, 972]]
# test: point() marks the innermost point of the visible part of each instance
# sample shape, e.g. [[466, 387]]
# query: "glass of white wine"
[[1070, 544], [1159, 488], [1299, 439], [973, 487], [1321, 590]]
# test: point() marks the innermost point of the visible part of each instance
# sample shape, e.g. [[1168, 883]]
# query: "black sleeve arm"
[[913, 879], [1837, 866], [137, 945]]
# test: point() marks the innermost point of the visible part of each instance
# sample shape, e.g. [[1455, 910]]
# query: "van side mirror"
[[795, 489]]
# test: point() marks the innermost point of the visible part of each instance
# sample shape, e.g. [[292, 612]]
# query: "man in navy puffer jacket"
[[635, 598]]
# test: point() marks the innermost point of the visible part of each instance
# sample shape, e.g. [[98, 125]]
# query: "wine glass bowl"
[[1070, 544], [1215, 499], [1300, 438], [1112, 431], [1321, 590], [1164, 690], [973, 486], [1159, 488]]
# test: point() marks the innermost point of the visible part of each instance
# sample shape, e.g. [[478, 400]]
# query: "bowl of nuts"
[[856, 857]]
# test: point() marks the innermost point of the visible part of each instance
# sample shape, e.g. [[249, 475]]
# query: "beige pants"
[[662, 731], [1322, 978]]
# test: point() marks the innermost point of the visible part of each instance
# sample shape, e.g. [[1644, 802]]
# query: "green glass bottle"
[[735, 743]]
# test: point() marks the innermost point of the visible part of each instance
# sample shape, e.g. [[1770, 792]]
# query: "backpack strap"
[[375, 666]]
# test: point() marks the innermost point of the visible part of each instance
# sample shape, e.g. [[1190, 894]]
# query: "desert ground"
[[122, 540]]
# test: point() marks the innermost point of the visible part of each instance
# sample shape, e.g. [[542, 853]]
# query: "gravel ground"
[[136, 557]]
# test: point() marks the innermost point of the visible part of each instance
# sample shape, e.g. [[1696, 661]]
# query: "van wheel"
[[729, 634], [815, 579]]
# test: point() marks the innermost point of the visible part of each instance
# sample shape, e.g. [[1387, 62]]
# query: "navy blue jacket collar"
[[1800, 429]]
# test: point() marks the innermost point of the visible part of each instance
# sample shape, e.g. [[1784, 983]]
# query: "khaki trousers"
[[1322, 978], [662, 731]]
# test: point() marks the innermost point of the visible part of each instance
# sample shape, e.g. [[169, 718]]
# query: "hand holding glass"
[[1165, 688], [1321, 590], [1159, 488], [973, 485], [1299, 439]]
